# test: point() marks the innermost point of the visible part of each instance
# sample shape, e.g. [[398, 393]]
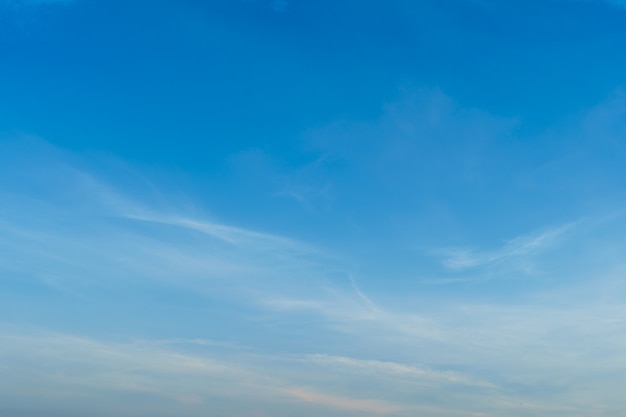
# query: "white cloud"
[[386, 369], [462, 258]]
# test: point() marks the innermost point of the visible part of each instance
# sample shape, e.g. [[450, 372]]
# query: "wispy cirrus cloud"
[[364, 406], [376, 368], [65, 215], [463, 258]]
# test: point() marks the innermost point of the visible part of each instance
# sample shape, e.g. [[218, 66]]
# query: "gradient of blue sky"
[[340, 208]]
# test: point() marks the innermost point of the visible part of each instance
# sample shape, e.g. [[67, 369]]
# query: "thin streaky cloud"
[[374, 368], [117, 203], [343, 403], [463, 258], [229, 234]]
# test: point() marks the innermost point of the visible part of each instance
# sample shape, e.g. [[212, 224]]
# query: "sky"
[[255, 208]]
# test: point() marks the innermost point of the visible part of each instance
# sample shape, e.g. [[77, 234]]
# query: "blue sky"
[[340, 208]]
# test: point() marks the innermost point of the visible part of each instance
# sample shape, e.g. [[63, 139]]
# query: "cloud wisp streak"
[[365, 406], [460, 259]]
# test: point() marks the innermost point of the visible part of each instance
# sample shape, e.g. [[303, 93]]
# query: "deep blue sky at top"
[[187, 82]]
